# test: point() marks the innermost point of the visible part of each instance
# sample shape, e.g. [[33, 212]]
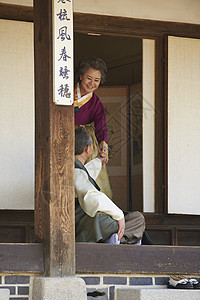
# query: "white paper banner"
[[62, 14]]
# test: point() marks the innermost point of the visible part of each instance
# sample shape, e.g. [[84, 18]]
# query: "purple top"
[[93, 111]]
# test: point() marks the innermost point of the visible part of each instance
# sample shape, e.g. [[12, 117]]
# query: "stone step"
[[157, 294], [4, 294]]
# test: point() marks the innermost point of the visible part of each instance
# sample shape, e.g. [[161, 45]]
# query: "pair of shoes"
[[175, 282], [193, 281], [182, 282]]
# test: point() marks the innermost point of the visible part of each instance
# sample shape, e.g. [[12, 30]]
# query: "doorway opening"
[[121, 96]]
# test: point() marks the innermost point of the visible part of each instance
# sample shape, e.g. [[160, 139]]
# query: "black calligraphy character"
[[62, 15], [63, 55], [63, 34]]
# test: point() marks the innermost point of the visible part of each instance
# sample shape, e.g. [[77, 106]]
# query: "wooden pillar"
[[54, 159]]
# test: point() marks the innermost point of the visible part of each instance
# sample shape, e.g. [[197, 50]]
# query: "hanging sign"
[[62, 13]]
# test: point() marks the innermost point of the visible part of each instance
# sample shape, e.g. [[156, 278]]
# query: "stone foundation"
[[106, 286], [67, 288]]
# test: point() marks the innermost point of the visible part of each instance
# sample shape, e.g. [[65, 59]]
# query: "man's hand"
[[121, 224], [103, 157]]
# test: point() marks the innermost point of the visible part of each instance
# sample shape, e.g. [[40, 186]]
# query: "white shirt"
[[91, 200]]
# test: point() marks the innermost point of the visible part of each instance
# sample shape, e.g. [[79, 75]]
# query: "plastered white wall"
[[186, 11], [16, 115], [171, 10], [183, 126]]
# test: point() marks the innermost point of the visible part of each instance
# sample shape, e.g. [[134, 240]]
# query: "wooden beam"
[[54, 160], [107, 258], [96, 258], [159, 127], [140, 28], [10, 216], [16, 12], [21, 258], [172, 219]]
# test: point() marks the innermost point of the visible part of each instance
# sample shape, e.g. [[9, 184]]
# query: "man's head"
[[83, 142]]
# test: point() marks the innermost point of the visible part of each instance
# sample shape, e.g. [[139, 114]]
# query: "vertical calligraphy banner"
[[62, 14]]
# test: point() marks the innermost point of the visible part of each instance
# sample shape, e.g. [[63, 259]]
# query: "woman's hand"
[[103, 157], [121, 224]]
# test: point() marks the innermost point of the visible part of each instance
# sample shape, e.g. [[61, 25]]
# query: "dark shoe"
[[146, 240], [193, 281]]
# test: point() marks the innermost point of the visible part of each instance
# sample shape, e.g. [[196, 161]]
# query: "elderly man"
[[97, 218]]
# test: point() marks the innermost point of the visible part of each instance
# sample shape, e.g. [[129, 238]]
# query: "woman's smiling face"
[[90, 81]]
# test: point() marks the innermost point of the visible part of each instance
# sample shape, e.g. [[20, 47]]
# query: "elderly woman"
[[89, 111]]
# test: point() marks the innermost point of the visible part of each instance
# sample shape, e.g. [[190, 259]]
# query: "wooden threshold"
[[126, 259], [106, 258], [21, 258]]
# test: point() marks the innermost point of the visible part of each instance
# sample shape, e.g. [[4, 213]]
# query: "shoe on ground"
[[175, 282], [193, 281]]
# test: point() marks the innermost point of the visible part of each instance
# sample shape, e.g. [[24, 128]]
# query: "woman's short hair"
[[82, 139], [91, 62]]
